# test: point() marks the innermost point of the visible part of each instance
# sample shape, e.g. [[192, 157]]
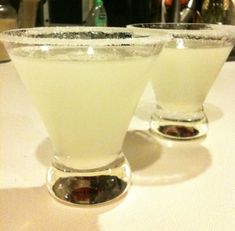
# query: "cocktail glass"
[[85, 83], [184, 74]]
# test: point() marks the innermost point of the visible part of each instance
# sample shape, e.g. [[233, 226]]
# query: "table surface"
[[180, 186]]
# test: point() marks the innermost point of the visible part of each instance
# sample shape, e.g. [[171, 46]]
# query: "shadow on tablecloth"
[[156, 161]]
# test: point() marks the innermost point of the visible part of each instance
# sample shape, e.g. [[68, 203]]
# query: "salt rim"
[[207, 29], [180, 25], [20, 36]]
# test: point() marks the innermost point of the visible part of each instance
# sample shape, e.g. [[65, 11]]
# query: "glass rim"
[[192, 30], [206, 25], [37, 36], [183, 26]]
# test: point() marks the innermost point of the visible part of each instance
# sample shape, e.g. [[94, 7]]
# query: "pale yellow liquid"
[[85, 105], [182, 77]]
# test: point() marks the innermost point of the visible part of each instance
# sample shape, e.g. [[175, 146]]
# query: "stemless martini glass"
[[184, 74], [85, 83]]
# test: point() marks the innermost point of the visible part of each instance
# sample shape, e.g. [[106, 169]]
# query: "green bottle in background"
[[97, 15]]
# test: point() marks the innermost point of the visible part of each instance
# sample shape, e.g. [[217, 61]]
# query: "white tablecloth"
[[177, 186]]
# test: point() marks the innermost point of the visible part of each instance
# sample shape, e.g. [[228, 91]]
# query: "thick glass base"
[[179, 129], [89, 187]]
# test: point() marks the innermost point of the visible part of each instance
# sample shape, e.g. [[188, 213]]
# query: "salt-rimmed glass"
[[184, 74], [85, 83]]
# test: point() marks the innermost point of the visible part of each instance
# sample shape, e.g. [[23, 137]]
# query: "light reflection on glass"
[[90, 51], [180, 43], [44, 48]]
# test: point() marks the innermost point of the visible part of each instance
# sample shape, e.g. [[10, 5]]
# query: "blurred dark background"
[[120, 12]]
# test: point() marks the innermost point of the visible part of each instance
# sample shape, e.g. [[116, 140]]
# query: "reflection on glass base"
[[179, 129], [89, 187]]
